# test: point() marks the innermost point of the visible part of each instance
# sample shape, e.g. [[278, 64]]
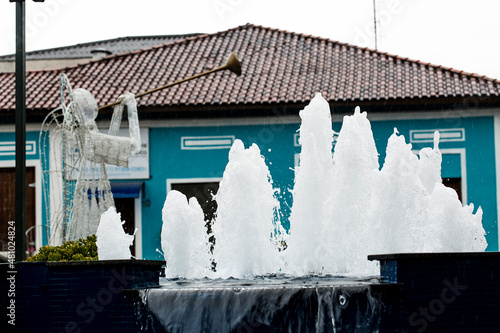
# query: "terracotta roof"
[[278, 67], [114, 46]]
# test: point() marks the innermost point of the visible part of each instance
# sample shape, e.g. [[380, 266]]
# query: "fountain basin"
[[271, 304], [80, 296], [417, 292], [445, 292]]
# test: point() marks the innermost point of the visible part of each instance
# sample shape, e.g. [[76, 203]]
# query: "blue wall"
[[168, 160], [276, 142]]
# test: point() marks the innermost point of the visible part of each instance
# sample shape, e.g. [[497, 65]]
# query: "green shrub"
[[82, 249]]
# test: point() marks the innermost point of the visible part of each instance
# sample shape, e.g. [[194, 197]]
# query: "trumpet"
[[232, 64]]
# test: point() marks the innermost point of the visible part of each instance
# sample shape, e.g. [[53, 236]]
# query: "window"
[[203, 192], [456, 184]]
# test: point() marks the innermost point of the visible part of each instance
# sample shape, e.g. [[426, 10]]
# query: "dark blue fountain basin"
[[77, 296], [270, 304], [424, 292], [445, 292]]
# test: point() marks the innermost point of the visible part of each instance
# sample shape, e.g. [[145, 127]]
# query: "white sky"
[[464, 35]]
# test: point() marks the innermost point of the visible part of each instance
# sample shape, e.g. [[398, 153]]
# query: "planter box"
[[445, 292], [81, 296]]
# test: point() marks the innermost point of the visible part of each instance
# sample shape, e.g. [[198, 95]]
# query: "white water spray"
[[184, 239], [313, 185], [112, 241], [344, 208], [244, 226]]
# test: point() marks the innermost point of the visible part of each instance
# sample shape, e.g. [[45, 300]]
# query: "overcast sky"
[[464, 35]]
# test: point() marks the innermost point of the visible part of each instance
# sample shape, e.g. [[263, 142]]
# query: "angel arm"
[[128, 100]]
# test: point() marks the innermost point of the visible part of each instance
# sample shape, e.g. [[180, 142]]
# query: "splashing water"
[[312, 189], [184, 240], [112, 241], [245, 224], [345, 207]]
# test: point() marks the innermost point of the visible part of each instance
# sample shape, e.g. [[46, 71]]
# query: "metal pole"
[[20, 133]]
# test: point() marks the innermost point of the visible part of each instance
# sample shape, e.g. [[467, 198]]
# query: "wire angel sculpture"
[[74, 154]]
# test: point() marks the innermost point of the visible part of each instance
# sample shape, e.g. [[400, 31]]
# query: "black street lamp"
[[21, 129]]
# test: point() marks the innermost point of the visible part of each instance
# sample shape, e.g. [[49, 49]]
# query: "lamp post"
[[21, 130]]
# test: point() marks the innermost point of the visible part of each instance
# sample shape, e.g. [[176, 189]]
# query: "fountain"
[[315, 276], [345, 206], [259, 277]]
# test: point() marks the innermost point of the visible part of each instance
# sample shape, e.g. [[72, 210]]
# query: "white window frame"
[[171, 181], [138, 225]]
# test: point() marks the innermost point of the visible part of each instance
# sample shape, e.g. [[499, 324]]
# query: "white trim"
[[463, 169], [38, 194], [291, 119], [53, 190], [138, 225], [8, 148], [296, 138], [296, 160], [496, 124], [295, 119], [171, 181], [32, 127], [207, 142], [445, 135]]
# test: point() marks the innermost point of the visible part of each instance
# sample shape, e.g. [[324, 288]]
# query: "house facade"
[[187, 130]]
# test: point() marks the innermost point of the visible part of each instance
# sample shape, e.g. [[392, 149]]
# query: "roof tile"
[[114, 46], [277, 66]]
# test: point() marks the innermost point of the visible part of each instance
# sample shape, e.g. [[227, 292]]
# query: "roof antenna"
[[375, 23]]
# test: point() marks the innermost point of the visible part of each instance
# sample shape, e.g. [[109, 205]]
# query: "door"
[[8, 206]]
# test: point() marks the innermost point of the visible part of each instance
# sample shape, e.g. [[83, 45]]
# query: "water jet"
[[346, 207]]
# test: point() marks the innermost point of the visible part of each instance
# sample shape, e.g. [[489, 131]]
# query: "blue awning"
[[126, 189]]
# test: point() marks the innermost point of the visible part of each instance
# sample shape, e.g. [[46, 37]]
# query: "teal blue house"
[[187, 130]]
